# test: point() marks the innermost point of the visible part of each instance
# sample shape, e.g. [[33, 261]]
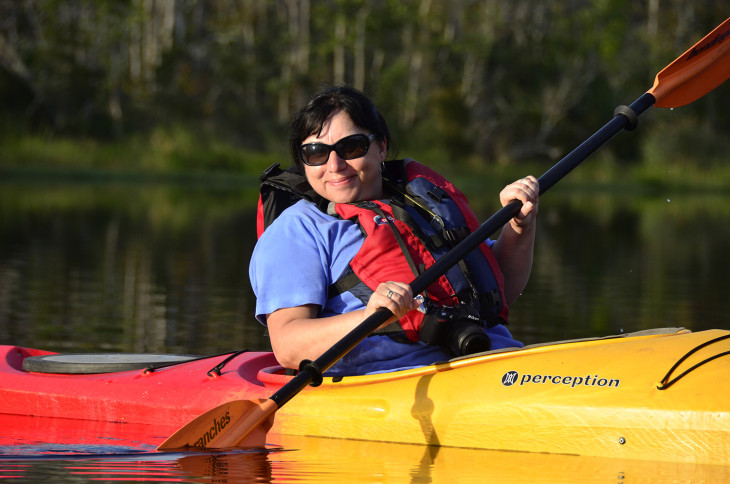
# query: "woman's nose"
[[334, 162]]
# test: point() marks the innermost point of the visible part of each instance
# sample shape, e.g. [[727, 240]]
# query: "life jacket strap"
[[344, 283], [432, 243]]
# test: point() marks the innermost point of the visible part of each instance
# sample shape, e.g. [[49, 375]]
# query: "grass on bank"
[[676, 160], [170, 154]]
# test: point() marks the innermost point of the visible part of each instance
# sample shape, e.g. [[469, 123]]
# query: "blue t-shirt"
[[295, 261]]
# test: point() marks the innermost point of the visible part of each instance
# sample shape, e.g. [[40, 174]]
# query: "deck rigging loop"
[[217, 368], [154, 367], [666, 382]]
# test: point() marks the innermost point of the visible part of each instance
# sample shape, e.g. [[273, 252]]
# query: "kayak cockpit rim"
[[275, 376]]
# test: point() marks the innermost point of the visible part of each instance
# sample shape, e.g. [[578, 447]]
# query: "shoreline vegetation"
[[180, 157]]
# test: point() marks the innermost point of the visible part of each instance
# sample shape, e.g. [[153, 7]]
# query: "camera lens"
[[466, 338], [456, 330]]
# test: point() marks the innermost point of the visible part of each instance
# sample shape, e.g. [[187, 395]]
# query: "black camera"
[[458, 329]]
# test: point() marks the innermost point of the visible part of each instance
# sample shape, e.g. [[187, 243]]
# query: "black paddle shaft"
[[311, 372]]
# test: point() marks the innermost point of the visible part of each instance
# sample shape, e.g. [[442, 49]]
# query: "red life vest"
[[430, 201], [424, 217]]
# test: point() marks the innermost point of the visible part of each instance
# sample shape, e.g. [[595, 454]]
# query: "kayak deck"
[[605, 397]]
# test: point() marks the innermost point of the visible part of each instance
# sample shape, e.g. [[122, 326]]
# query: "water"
[[119, 464], [315, 460], [144, 267]]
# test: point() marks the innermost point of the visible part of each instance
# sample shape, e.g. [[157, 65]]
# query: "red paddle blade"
[[240, 423], [698, 71]]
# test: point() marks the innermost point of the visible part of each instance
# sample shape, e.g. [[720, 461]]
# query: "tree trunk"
[[338, 61], [358, 80], [416, 65]]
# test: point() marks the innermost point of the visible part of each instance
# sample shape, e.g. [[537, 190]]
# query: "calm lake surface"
[[163, 267]]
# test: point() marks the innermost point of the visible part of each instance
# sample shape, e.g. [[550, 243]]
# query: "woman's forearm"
[[297, 333], [514, 252]]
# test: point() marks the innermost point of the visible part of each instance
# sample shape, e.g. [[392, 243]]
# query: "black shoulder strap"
[[394, 172], [280, 189]]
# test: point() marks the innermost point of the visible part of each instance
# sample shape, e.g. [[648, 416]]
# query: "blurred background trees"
[[473, 81]]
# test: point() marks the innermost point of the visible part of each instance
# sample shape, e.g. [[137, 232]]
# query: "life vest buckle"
[[437, 194], [456, 235]]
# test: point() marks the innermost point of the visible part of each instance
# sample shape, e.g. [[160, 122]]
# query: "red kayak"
[[151, 395]]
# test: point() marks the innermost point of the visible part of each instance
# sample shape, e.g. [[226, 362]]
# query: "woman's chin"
[[342, 195]]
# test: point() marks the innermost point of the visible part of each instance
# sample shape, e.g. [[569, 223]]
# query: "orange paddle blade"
[[698, 71], [240, 423]]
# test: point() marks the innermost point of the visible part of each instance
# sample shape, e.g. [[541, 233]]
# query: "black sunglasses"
[[348, 148]]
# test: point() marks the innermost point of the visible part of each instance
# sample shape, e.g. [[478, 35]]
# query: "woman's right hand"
[[396, 296]]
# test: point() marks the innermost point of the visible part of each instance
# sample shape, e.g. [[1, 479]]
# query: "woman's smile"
[[340, 181]]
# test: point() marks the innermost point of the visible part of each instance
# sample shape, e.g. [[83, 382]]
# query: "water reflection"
[[611, 263], [132, 268], [316, 460], [163, 268], [234, 466]]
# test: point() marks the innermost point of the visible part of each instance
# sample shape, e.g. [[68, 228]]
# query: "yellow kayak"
[[612, 397]]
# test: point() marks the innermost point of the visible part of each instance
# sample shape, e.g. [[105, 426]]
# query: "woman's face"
[[344, 181]]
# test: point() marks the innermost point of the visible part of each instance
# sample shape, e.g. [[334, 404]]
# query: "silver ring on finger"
[[389, 295]]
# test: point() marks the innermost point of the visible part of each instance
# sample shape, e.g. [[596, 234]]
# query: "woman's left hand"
[[526, 190]]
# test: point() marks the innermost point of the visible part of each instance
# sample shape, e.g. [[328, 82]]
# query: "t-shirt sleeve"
[[288, 266]]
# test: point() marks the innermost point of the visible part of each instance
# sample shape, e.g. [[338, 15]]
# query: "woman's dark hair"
[[311, 118]]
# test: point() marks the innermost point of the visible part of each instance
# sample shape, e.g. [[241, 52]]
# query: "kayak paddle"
[[244, 423]]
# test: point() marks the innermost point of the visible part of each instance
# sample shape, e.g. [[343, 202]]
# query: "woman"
[[340, 142]]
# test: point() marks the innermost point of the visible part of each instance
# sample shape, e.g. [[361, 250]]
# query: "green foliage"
[[166, 150], [498, 81]]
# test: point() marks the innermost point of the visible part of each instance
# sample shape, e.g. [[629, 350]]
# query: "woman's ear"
[[382, 149]]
